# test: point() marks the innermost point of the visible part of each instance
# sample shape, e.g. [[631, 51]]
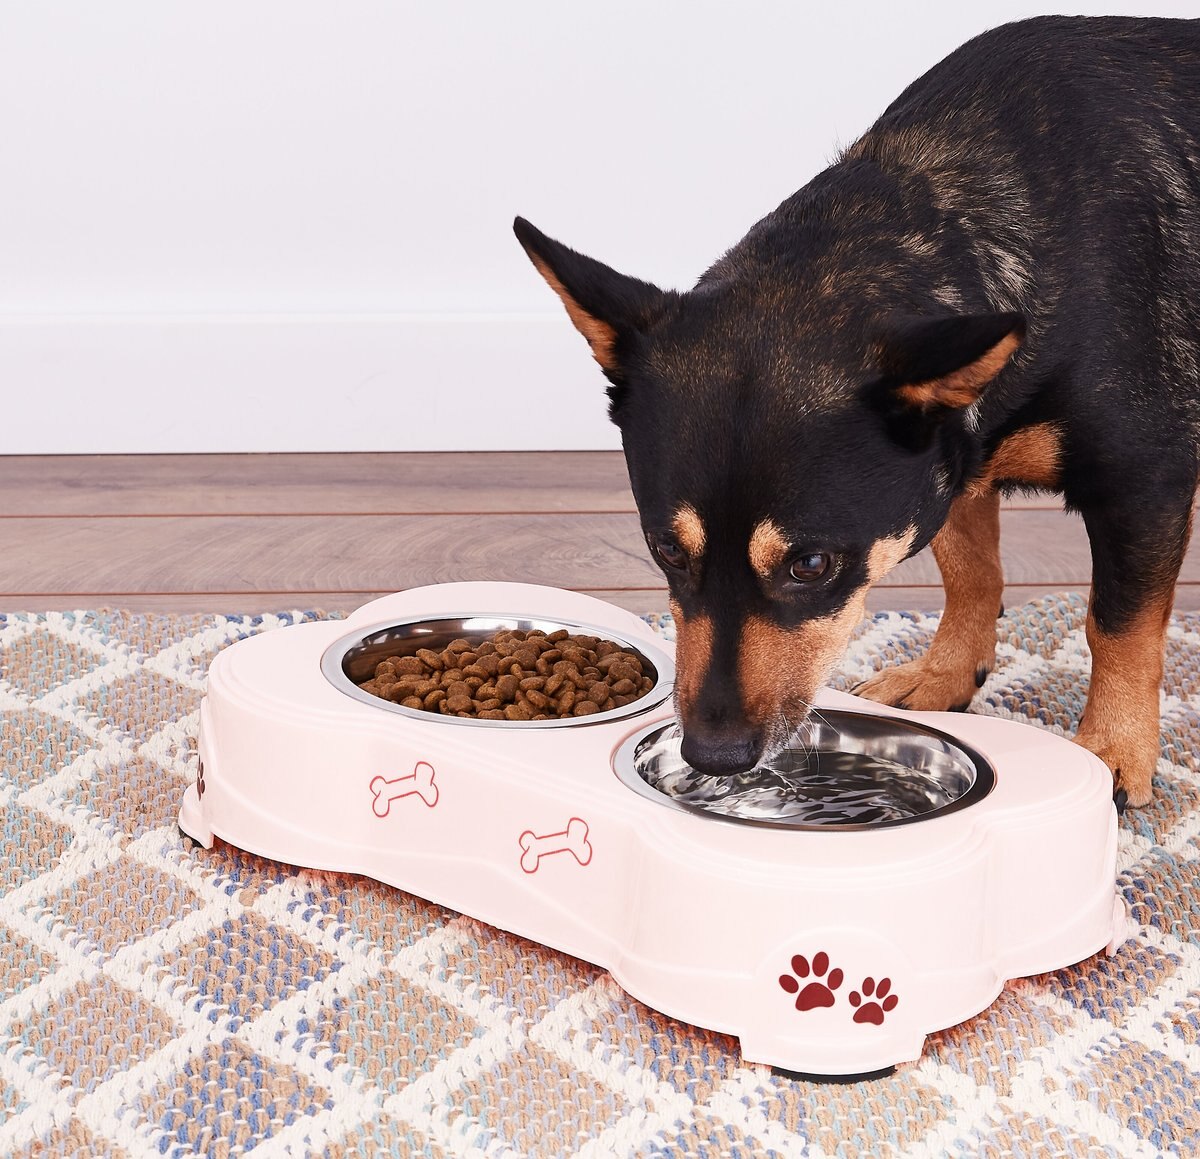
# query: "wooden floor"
[[263, 532]]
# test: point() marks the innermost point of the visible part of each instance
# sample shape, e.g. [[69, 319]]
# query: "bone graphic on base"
[[419, 782], [573, 840]]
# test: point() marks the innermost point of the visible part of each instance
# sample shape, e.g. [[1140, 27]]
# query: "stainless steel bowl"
[[842, 771], [353, 658]]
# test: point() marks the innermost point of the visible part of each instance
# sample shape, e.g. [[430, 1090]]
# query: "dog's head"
[[785, 451]]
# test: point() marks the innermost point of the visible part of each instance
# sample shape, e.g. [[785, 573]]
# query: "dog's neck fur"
[[877, 233]]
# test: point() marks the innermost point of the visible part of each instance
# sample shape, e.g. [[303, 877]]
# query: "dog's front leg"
[[967, 550], [1135, 562], [1121, 721]]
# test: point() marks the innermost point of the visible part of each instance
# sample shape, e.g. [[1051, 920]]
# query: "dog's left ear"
[[931, 365], [606, 307]]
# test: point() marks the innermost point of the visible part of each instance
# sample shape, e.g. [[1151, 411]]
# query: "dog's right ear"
[[931, 367], [607, 308]]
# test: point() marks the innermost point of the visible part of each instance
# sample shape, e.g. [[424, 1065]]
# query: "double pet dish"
[[880, 881]]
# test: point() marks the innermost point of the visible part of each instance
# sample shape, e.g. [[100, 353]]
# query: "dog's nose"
[[720, 752]]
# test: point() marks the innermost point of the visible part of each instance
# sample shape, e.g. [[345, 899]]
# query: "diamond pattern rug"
[[158, 999]]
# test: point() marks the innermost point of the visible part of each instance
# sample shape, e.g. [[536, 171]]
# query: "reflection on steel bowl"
[[842, 770]]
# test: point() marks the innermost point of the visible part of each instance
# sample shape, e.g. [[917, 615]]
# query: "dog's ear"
[[605, 306], [939, 364]]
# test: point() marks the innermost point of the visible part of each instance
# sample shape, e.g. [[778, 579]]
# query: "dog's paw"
[[1131, 764], [923, 687]]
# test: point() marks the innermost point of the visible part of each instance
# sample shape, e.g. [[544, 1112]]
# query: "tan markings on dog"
[[768, 548], [886, 553], [961, 387], [1121, 721], [1032, 456], [601, 337], [689, 530], [693, 654], [780, 669], [967, 550]]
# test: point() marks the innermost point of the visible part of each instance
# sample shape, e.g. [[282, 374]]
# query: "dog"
[[996, 287]]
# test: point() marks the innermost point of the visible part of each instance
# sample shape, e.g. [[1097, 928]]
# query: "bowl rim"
[[660, 659], [625, 769]]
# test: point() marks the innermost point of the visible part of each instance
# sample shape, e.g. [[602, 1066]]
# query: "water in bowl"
[[802, 786]]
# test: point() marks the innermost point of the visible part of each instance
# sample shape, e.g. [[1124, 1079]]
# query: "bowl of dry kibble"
[[505, 671]]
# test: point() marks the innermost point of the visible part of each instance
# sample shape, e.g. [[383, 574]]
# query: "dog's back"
[[1083, 74], [1063, 153], [1053, 167]]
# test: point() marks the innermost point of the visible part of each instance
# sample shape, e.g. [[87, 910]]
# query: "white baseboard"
[[108, 384]]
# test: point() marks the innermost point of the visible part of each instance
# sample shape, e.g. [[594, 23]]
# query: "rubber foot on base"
[[840, 1079]]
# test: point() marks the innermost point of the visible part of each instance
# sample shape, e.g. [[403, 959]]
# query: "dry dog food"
[[514, 675]]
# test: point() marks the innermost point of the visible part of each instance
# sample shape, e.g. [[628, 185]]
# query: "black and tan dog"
[[998, 286]]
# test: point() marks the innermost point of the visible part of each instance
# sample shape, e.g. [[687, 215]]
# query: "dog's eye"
[[668, 551], [804, 569]]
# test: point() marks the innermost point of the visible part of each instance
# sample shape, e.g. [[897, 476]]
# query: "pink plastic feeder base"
[[824, 952]]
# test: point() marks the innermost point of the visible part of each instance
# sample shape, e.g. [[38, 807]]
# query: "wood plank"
[[171, 554], [932, 599], [75, 485], [293, 484], [1039, 547], [184, 533]]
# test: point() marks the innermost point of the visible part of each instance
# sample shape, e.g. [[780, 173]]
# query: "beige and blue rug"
[[160, 1000]]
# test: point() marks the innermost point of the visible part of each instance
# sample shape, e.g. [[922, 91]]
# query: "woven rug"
[[159, 999]]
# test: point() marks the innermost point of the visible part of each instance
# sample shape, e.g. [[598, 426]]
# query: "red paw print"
[[817, 992], [875, 1008]]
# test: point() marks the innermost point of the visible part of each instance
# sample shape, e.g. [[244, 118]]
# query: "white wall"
[[285, 224]]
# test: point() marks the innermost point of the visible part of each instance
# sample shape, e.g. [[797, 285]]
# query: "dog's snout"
[[720, 751]]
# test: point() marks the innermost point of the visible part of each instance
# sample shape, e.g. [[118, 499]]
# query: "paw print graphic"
[[818, 992], [878, 1001], [200, 781]]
